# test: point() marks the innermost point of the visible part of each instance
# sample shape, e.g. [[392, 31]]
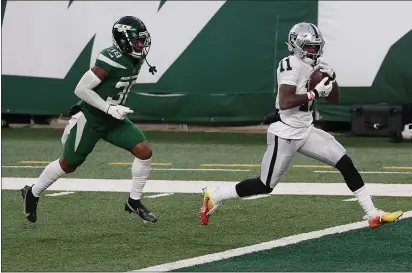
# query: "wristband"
[[312, 94]]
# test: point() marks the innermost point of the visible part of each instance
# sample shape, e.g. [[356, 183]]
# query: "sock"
[[50, 174], [224, 192], [365, 201], [140, 173]]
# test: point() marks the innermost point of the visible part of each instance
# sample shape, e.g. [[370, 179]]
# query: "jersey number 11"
[[288, 67]]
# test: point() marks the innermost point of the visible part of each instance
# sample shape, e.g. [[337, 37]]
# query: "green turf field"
[[385, 249], [89, 230]]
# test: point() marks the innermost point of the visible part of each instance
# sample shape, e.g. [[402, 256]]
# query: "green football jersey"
[[123, 71]]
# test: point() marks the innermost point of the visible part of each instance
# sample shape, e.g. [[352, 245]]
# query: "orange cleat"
[[207, 207]]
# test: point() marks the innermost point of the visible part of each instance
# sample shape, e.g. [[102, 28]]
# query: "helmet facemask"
[[140, 44], [312, 51]]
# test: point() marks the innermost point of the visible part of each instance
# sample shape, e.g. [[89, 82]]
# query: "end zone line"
[[260, 247]]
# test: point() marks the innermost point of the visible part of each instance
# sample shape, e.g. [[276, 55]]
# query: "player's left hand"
[[325, 68], [119, 111]]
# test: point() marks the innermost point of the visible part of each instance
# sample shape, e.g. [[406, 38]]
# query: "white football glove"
[[118, 111], [325, 68], [321, 90]]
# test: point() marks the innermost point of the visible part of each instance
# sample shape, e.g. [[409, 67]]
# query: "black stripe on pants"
[[272, 163]]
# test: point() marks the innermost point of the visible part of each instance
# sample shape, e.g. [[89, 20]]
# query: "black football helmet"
[[131, 37]]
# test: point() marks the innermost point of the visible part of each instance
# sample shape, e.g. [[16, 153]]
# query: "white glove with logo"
[[321, 90], [325, 68], [118, 111]]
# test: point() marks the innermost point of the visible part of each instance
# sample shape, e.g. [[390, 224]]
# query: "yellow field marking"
[[111, 163], [230, 165], [313, 166], [398, 167], [34, 162], [130, 163]]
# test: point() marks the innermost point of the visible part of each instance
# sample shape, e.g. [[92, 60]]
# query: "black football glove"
[[271, 118]]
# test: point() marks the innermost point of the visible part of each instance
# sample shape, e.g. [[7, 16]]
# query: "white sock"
[[50, 174], [140, 173], [365, 201], [224, 192]]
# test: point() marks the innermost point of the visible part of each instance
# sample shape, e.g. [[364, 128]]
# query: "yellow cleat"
[[384, 218]]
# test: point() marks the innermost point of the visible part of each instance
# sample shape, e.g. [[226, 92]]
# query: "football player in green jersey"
[[101, 115]]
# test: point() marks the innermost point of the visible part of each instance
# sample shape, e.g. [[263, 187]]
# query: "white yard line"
[[59, 193], [159, 195], [180, 186], [260, 247], [350, 199], [210, 170]]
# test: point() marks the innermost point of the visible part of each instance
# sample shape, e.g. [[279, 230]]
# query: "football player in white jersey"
[[291, 130]]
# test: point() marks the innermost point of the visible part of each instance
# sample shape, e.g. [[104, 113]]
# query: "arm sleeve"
[[84, 90]]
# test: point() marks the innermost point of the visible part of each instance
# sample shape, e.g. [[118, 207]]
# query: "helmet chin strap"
[[152, 69]]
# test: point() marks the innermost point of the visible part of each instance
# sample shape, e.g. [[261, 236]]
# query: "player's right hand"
[[118, 111], [325, 68], [321, 90]]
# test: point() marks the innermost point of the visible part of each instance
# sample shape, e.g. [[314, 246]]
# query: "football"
[[316, 77]]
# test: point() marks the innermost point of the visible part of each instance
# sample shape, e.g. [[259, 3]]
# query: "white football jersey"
[[296, 122]]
